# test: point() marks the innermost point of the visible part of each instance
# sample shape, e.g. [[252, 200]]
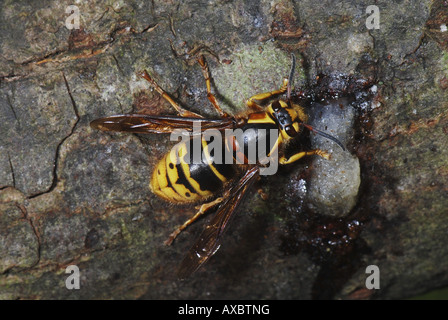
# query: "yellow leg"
[[182, 112], [210, 95], [202, 209], [300, 155], [266, 95]]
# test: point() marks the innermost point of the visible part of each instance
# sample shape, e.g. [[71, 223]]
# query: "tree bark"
[[70, 195]]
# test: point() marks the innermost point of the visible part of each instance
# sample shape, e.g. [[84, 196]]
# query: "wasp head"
[[286, 117]]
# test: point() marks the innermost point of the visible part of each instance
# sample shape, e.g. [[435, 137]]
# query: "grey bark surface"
[[70, 195]]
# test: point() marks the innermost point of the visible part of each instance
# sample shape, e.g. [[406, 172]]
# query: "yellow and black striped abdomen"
[[181, 178]]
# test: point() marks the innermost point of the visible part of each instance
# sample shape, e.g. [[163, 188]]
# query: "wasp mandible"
[[209, 182]]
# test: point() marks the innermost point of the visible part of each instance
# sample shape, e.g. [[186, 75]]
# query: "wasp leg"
[[202, 209], [210, 95], [299, 155], [182, 112], [266, 95]]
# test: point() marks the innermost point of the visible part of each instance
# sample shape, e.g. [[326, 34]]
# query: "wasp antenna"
[[323, 134], [291, 75]]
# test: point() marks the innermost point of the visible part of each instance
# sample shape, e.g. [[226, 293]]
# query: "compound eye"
[[289, 129], [276, 106]]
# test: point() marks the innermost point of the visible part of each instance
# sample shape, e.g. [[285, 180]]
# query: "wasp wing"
[[141, 123], [209, 240]]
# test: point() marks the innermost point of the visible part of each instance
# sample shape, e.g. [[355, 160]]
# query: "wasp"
[[213, 183]]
